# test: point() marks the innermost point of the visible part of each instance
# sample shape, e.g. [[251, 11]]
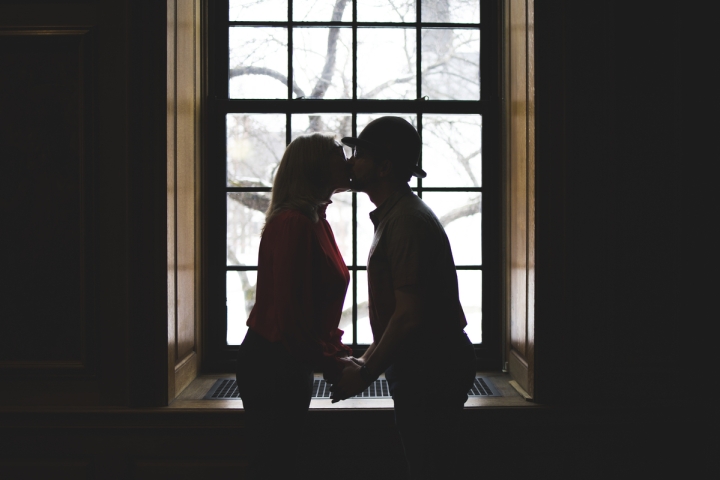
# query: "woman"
[[301, 286]]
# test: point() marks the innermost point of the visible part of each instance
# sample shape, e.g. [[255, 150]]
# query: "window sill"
[[192, 397]]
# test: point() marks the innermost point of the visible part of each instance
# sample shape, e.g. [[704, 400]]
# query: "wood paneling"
[[186, 155], [171, 203], [183, 147], [119, 248], [46, 136], [520, 200], [88, 151]]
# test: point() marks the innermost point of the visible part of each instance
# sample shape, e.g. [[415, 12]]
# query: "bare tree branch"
[[464, 160], [372, 93], [250, 70], [265, 141], [315, 123], [441, 62], [248, 184], [345, 126], [252, 200], [259, 201], [328, 70], [470, 209]]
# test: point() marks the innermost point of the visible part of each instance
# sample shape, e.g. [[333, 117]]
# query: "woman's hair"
[[301, 180]]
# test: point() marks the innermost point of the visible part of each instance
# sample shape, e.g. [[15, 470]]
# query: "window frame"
[[220, 357]]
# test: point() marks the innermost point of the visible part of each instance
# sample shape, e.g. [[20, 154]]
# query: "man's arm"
[[367, 354], [405, 319]]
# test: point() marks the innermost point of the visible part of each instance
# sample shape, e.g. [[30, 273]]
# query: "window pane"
[[364, 333], [451, 64], [339, 216], [261, 10], [459, 212], [365, 230], [338, 123], [386, 63], [346, 318], [470, 287], [240, 298], [255, 145], [364, 119], [245, 219], [451, 11], [258, 62], [452, 150], [322, 11], [322, 62], [384, 11]]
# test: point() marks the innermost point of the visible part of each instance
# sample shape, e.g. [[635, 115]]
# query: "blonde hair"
[[303, 176]]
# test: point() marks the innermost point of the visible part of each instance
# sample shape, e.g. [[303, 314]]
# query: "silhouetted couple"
[[415, 313]]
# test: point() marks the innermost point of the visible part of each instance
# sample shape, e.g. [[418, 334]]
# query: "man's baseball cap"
[[393, 137]]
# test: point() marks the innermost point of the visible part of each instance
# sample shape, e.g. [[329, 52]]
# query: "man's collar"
[[381, 212]]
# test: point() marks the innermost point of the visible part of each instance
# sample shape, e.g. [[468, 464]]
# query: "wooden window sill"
[[192, 397]]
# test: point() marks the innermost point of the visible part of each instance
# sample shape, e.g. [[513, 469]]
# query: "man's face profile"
[[364, 171]]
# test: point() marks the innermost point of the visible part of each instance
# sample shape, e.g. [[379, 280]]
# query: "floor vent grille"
[[226, 389], [377, 389], [483, 388]]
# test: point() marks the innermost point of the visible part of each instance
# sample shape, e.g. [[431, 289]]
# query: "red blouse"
[[301, 286]]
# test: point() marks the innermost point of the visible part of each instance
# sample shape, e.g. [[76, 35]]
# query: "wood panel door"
[[64, 184], [183, 154], [520, 185]]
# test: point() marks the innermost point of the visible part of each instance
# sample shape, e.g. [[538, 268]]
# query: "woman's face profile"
[[339, 170]]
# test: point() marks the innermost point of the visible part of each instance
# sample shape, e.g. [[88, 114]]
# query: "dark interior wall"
[[607, 206], [645, 220]]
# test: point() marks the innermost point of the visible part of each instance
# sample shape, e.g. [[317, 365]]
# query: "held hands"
[[357, 361], [334, 376], [351, 382]]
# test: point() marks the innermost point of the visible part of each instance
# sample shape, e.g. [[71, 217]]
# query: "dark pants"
[[429, 394], [276, 391]]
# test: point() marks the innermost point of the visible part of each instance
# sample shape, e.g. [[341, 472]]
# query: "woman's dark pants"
[[276, 391]]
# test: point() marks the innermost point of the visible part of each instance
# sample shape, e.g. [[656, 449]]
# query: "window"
[[281, 68]]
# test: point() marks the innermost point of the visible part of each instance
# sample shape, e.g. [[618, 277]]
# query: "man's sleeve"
[[408, 245]]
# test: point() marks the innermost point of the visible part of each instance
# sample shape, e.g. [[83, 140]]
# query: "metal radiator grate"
[[377, 389], [482, 387], [226, 389]]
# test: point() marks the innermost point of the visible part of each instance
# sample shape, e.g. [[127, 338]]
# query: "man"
[[415, 312]]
